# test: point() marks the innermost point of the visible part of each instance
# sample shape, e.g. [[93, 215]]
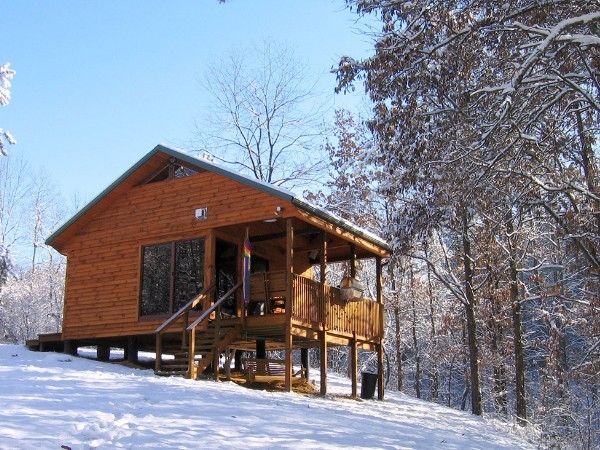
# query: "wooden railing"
[[318, 305], [191, 329], [183, 313]]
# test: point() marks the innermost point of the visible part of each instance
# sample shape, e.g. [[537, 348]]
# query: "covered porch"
[[287, 304]]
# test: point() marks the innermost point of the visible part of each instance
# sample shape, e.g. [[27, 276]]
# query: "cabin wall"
[[104, 257]]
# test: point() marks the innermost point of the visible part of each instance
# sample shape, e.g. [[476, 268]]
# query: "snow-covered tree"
[[6, 74], [32, 302], [31, 292], [13, 196], [486, 120]]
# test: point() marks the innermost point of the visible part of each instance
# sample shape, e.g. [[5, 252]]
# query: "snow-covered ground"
[[49, 400]]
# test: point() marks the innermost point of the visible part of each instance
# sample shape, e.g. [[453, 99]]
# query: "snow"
[[51, 400]]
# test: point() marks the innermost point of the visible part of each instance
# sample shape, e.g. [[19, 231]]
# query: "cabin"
[[192, 261]]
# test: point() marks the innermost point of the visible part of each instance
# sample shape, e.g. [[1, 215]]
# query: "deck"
[[314, 307]]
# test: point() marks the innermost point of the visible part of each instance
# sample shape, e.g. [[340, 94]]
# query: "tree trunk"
[[476, 405], [398, 336], [517, 327], [399, 355], [417, 354], [435, 376]]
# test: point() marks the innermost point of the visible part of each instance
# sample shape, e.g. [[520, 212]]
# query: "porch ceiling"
[[307, 238]]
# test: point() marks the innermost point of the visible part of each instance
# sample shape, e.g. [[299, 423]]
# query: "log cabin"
[[185, 258]]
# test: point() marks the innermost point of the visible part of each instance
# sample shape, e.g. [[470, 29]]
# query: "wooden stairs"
[[208, 345], [200, 344]]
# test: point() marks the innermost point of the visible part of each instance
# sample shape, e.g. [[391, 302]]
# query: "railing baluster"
[[360, 317]]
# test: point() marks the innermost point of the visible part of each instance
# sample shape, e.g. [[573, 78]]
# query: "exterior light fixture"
[[351, 290], [201, 213]]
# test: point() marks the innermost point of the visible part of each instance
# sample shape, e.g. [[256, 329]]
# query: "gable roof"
[[205, 165]]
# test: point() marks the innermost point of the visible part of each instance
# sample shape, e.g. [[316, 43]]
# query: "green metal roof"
[[203, 164]]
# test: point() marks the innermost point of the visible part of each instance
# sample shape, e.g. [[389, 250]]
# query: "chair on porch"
[[277, 292]]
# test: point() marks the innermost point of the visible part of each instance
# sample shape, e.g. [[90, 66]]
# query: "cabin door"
[[226, 264]]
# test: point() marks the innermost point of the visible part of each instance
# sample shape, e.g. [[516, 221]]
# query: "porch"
[[314, 307], [282, 313]]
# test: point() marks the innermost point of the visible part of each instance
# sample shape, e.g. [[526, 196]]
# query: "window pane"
[[156, 279], [189, 273]]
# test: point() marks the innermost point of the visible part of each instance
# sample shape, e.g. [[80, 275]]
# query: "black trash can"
[[367, 385]]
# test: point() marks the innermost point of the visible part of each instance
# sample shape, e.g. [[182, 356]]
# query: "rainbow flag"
[[247, 256]]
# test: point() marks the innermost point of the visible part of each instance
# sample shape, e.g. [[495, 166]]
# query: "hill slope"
[[51, 400]]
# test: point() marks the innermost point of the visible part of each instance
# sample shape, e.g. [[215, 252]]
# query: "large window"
[[172, 274]]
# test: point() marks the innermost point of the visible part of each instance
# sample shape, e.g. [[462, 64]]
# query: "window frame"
[[172, 277]]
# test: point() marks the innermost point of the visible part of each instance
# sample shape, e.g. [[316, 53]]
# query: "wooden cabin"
[[159, 261]]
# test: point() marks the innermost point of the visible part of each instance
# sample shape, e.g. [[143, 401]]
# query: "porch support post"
[[261, 349], [103, 352], [324, 310], [132, 349], [379, 289], [352, 261], [354, 365], [210, 275], [323, 355], [305, 361], [289, 303], [70, 347]]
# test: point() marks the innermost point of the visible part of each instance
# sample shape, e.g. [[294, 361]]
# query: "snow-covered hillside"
[[49, 400]]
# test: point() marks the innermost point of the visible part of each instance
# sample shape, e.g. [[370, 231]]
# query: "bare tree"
[[14, 188], [263, 118]]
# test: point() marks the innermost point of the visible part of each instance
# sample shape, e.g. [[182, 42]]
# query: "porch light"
[[351, 290]]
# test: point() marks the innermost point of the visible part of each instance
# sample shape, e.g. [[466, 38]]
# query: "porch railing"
[[316, 306]]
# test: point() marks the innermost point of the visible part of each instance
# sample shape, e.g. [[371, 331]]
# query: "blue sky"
[[100, 83]]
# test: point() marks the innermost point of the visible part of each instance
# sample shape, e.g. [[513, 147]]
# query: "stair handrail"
[[191, 332], [210, 310], [185, 308], [183, 311]]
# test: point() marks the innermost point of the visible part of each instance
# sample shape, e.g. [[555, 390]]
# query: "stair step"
[[172, 362], [204, 345], [170, 373]]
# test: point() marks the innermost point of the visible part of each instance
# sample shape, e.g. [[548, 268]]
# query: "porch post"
[[210, 275], [352, 261], [324, 308], [323, 355], [289, 303], [379, 289], [354, 365], [132, 349], [305, 361]]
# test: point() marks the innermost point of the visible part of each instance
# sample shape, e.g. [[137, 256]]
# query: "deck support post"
[[325, 308], [69, 347], [288, 361], [132, 349], [261, 349], [102, 352], [305, 362], [323, 356], [289, 304], [354, 365], [238, 360], [379, 293]]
